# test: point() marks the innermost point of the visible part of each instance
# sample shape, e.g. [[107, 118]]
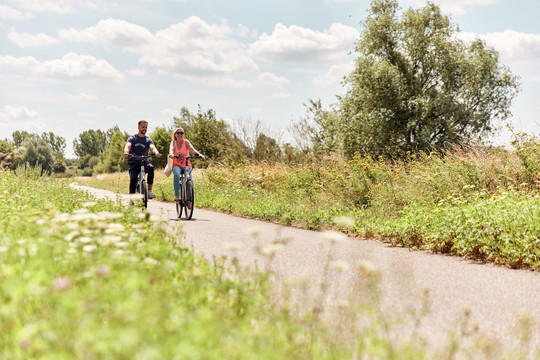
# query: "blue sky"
[[71, 65]]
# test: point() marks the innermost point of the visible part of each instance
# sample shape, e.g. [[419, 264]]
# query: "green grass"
[[84, 279]]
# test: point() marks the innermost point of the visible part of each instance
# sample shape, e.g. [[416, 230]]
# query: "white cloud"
[[281, 95], [51, 6], [9, 13], [334, 75], [110, 32], [70, 66], [82, 97], [511, 45], [114, 108], [191, 49], [298, 44], [272, 79], [25, 40], [20, 118], [456, 6]]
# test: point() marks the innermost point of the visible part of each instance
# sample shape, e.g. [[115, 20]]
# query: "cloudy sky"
[[71, 65]]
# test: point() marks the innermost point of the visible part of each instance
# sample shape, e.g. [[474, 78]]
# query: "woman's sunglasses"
[[179, 133]]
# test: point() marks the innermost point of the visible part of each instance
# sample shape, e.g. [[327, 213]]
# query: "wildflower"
[[151, 261], [89, 248], [233, 245], [110, 239], [81, 211], [89, 204], [367, 267], [102, 270], [3, 249], [345, 221], [339, 265], [134, 197], [271, 250], [61, 283], [253, 231], [334, 236]]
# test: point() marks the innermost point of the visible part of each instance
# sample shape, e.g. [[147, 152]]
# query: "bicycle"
[[187, 196], [142, 187]]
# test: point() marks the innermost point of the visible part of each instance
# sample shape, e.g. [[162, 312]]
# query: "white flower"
[[134, 197], [151, 261], [334, 236], [340, 265], [271, 250], [253, 231], [89, 248], [84, 240], [344, 221], [233, 245], [89, 204], [3, 249], [110, 239], [367, 267]]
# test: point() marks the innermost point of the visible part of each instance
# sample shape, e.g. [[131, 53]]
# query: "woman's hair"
[[174, 132]]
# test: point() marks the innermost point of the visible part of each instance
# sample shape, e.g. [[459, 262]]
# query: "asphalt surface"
[[495, 301]]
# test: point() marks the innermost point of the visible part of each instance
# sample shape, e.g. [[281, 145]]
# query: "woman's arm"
[[192, 149]]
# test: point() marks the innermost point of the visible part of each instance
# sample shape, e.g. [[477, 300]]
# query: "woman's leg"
[[189, 171], [176, 180]]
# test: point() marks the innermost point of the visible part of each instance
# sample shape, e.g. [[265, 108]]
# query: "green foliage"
[[266, 149], [57, 143], [162, 139], [90, 143], [37, 152], [19, 137], [113, 159], [6, 146], [416, 87], [211, 136]]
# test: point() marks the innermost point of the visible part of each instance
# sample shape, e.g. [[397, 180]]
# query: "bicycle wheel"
[[179, 208], [144, 193], [190, 204]]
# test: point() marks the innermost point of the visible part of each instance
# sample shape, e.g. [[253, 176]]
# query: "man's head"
[[143, 127]]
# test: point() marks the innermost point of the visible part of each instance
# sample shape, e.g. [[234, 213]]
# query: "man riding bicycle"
[[139, 144]]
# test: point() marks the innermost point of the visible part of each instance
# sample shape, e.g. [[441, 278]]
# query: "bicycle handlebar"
[[187, 157], [141, 157]]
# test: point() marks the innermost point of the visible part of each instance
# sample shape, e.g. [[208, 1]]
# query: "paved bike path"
[[495, 297]]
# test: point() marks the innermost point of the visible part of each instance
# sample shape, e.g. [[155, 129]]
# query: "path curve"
[[496, 298]]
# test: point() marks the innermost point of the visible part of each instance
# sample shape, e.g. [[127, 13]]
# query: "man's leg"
[[133, 174], [150, 170]]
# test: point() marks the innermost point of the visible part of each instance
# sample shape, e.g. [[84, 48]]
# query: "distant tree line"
[[414, 87]]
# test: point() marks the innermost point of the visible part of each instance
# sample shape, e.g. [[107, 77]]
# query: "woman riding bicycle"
[[181, 146]]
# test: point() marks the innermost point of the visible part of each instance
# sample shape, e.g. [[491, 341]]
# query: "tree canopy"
[[417, 86]]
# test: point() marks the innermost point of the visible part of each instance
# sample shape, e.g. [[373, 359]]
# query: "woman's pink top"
[[184, 151]]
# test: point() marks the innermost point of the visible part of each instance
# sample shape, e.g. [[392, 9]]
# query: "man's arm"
[[127, 147], [155, 150]]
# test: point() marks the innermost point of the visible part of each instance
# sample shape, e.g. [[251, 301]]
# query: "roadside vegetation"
[[481, 203], [86, 279]]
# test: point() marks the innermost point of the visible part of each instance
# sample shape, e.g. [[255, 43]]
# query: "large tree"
[[211, 136], [417, 86], [90, 143]]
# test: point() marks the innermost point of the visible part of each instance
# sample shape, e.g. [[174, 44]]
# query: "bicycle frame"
[[141, 182], [182, 203]]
